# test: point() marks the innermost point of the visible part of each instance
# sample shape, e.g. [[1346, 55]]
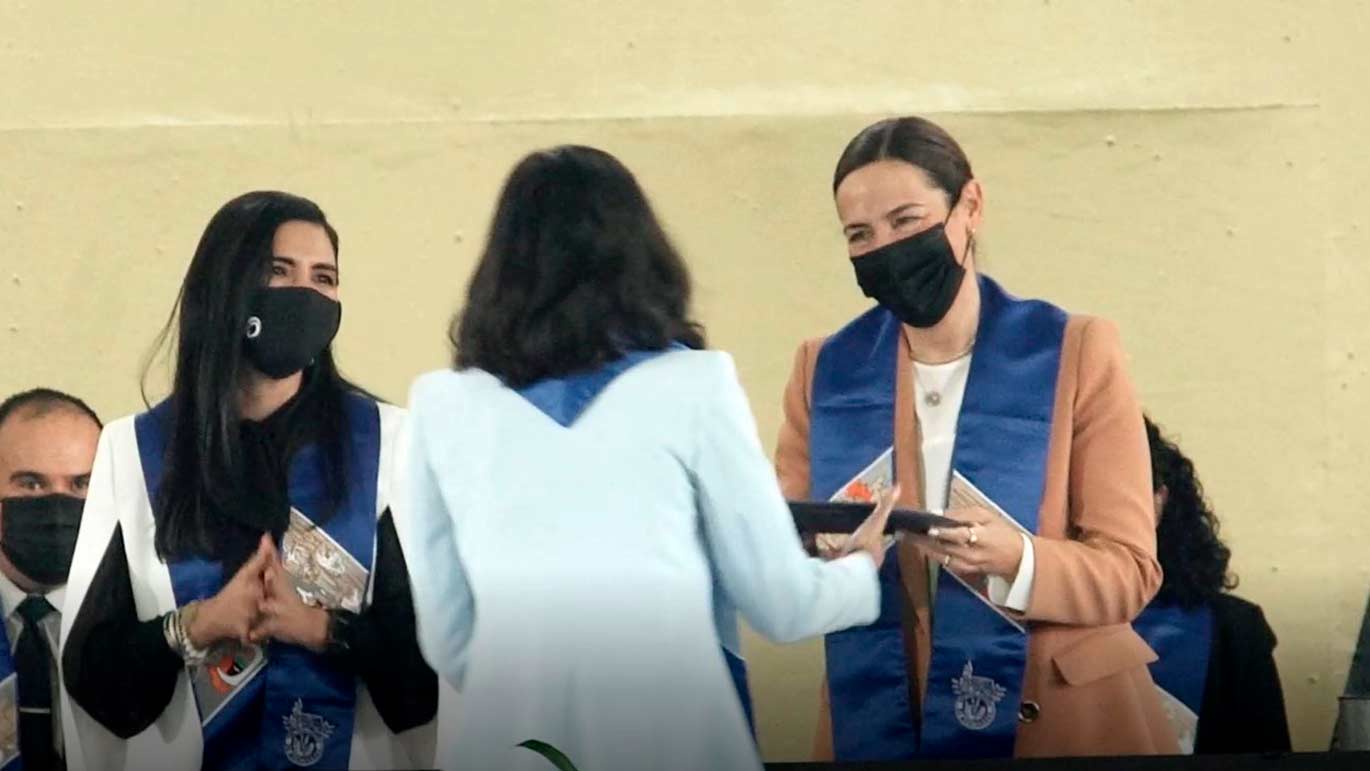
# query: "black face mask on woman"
[[915, 278], [38, 535], [288, 327]]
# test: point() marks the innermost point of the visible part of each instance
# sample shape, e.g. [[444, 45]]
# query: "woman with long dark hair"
[[1011, 634], [242, 598], [589, 504], [1215, 670]]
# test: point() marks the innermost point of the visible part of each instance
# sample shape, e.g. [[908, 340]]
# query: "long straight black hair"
[[577, 271], [204, 462]]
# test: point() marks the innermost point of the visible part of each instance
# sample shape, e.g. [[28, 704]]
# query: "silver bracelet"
[[169, 632], [178, 638]]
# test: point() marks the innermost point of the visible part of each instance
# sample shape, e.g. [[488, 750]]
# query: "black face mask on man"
[[287, 328], [38, 535], [916, 278]]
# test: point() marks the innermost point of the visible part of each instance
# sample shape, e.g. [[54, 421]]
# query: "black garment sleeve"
[[1243, 709], [119, 669], [381, 644]]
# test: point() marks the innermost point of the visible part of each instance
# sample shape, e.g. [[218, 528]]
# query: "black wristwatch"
[[340, 633]]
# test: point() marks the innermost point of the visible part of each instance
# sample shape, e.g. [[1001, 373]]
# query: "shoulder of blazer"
[[805, 361], [1078, 333], [1092, 354]]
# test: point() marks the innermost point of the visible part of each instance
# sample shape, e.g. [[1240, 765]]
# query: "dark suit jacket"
[[1243, 708]]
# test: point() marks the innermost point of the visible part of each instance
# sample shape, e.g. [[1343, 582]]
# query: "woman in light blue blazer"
[[589, 505]]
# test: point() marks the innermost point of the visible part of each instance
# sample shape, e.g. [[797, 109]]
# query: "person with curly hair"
[[1216, 668]]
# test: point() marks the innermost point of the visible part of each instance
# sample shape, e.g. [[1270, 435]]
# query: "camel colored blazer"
[[1086, 688]]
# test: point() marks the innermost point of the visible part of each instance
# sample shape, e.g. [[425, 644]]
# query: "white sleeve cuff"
[[1015, 596]]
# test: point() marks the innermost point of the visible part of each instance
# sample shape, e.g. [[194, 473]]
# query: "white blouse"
[[937, 424]]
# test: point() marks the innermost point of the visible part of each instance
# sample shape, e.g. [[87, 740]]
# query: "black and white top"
[[130, 696]]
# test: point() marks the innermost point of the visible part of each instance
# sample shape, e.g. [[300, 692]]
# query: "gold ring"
[[974, 537], [946, 560]]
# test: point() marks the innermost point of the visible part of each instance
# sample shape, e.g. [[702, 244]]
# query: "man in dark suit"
[[47, 447]]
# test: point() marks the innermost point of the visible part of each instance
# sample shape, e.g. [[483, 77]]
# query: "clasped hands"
[[259, 603]]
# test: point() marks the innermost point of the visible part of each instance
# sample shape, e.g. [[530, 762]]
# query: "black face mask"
[[916, 278], [38, 535], [288, 327]]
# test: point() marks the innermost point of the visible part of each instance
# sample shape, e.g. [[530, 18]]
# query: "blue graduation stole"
[[1183, 641], [9, 696], [564, 399], [979, 653], [282, 706]]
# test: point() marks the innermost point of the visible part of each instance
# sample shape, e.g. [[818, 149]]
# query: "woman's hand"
[[231, 614], [988, 546], [284, 616], [870, 536]]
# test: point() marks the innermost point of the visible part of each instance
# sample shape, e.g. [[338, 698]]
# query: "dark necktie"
[[33, 662]]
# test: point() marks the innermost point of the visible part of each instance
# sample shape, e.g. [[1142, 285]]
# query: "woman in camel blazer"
[[987, 403]]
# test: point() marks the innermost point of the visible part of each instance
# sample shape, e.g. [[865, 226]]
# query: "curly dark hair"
[[1192, 555]]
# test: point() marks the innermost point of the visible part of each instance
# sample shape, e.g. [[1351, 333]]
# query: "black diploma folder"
[[819, 517]]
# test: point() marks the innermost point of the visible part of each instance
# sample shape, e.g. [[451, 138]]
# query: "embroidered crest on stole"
[[305, 734], [977, 699]]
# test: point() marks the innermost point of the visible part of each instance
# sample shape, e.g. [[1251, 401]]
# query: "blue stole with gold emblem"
[[1183, 641], [9, 700], [564, 399], [979, 653], [281, 706]]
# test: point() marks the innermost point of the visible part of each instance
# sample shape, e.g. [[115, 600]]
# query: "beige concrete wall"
[[1195, 171]]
